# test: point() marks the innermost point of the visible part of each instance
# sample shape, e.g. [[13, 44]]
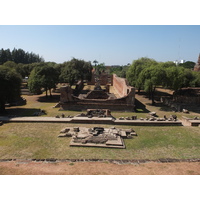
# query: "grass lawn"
[[36, 102], [40, 141]]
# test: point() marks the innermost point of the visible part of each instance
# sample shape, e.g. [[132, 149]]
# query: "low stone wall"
[[191, 121], [81, 106], [187, 100], [178, 106]]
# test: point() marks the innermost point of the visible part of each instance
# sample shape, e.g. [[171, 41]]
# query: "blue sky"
[[109, 44]]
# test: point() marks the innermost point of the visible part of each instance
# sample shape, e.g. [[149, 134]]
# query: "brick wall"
[[120, 85], [125, 102]]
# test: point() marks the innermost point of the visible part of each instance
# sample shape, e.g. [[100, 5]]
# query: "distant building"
[[179, 62], [197, 66]]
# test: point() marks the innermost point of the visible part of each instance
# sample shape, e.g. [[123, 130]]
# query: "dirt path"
[[98, 168]]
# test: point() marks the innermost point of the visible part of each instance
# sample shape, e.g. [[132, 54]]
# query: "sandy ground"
[[98, 168]]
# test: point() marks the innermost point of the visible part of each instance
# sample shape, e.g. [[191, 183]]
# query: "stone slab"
[[117, 142], [73, 144]]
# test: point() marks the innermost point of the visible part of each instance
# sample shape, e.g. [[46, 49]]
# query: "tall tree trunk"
[[139, 90], [149, 94], [50, 92], [152, 95]]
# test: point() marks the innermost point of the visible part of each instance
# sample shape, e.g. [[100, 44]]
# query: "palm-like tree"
[[95, 62]]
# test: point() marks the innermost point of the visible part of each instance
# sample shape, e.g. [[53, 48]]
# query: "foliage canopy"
[[10, 82]]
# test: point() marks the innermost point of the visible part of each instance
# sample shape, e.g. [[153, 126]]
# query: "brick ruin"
[[197, 66], [98, 98], [185, 98], [188, 96]]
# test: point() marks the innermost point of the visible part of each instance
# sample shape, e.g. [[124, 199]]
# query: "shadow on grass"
[[140, 107], [23, 112], [84, 91], [54, 98], [158, 104]]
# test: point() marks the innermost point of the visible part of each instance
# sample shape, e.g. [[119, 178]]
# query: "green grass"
[[39, 140]]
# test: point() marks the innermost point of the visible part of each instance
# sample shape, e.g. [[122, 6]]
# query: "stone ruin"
[[197, 65], [97, 136], [100, 113], [123, 100], [96, 113], [184, 100], [151, 117]]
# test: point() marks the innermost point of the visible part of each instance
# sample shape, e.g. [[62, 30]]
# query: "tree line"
[[147, 74], [144, 74], [40, 75], [19, 56]]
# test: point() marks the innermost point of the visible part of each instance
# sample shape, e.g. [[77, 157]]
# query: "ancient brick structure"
[[104, 78], [185, 98], [98, 98], [121, 85], [197, 66], [189, 96]]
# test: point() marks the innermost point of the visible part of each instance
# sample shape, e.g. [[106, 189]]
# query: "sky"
[[109, 44]]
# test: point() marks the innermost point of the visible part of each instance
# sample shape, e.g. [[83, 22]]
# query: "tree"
[[43, 77], [152, 77], [95, 62], [10, 64], [19, 56], [120, 71], [175, 77], [10, 82], [75, 70], [100, 68], [135, 69], [188, 65], [197, 79]]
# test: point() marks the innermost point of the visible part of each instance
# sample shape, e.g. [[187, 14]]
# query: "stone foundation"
[[99, 99]]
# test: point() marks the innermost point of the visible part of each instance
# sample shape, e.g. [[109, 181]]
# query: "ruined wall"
[[66, 94], [104, 79], [126, 102], [120, 85], [190, 95]]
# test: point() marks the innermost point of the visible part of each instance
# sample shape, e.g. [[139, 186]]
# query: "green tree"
[[10, 82], [188, 65], [75, 70], [197, 79], [100, 68], [189, 78], [135, 69], [19, 56], [175, 77], [152, 77], [43, 77], [10, 64]]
